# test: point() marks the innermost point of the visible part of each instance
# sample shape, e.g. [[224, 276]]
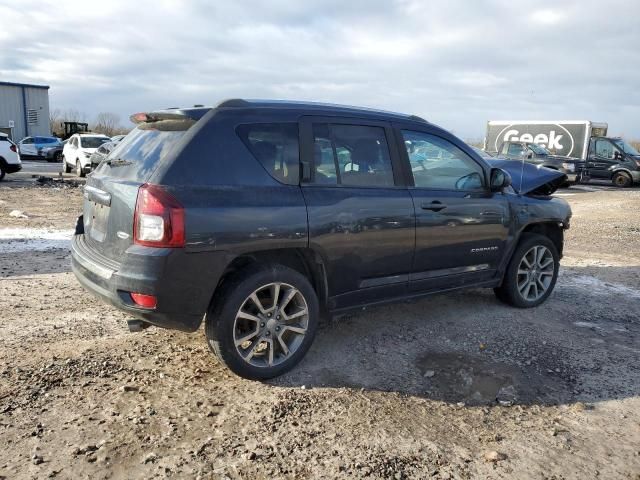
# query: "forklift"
[[71, 128]]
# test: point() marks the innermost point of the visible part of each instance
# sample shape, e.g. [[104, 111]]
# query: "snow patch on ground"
[[14, 240], [597, 286]]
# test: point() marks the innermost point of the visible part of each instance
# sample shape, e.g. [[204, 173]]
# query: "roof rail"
[[239, 103]]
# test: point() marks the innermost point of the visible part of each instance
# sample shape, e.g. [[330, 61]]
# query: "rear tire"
[[2, 172], [531, 274], [263, 341], [79, 169], [65, 166], [622, 180]]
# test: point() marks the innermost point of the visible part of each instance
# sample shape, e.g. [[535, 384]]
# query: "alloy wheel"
[[271, 324], [535, 273]]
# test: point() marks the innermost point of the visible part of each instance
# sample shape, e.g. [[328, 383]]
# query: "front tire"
[[531, 274], [262, 321], [2, 172], [65, 166], [79, 169], [622, 180]]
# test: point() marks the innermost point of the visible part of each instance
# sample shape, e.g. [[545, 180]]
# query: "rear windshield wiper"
[[118, 162]]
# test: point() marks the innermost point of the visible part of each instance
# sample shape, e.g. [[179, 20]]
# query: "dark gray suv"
[[262, 216]]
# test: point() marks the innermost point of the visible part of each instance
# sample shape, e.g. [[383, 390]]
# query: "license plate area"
[[98, 218]]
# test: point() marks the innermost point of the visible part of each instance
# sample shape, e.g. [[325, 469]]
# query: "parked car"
[[53, 153], [102, 152], [247, 215], [9, 157], [37, 147], [78, 150], [529, 152]]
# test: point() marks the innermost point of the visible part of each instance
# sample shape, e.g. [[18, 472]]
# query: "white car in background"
[[78, 150], [9, 158]]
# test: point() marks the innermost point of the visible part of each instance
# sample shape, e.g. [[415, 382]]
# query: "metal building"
[[24, 110]]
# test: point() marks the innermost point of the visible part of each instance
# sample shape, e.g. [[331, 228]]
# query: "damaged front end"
[[528, 179]]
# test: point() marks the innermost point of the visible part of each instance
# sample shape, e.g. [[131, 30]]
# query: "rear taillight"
[[13, 148], [159, 218]]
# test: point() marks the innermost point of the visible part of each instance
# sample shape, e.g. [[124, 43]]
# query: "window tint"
[[351, 155], [515, 149], [275, 146], [438, 163], [27, 141]]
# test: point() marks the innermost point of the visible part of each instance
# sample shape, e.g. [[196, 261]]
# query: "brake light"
[[13, 148], [158, 220], [145, 301]]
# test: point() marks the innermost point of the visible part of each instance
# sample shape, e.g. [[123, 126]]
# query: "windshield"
[[92, 142], [538, 150], [625, 147]]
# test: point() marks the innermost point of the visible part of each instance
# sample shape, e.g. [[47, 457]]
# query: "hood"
[[536, 180]]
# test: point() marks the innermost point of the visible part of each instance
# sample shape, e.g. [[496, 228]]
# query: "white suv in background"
[[77, 152], [9, 158]]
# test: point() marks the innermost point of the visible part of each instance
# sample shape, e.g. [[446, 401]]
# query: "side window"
[[515, 149], [604, 149], [28, 141], [354, 155], [275, 145], [439, 164]]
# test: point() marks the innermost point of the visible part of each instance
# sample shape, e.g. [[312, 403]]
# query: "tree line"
[[106, 123]]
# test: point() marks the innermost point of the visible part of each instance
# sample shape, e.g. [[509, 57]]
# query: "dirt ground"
[[451, 386]]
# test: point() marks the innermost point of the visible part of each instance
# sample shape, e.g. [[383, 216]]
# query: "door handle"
[[435, 206]]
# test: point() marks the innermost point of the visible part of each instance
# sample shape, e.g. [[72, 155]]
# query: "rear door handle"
[[435, 206]]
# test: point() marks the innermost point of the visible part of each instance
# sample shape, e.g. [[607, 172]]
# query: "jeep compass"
[[262, 216]]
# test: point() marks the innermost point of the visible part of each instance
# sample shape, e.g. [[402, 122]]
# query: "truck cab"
[[536, 154], [613, 159]]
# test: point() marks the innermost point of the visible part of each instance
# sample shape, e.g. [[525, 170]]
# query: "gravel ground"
[[452, 386]]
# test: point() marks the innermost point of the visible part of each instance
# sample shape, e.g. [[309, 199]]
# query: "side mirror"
[[500, 179], [618, 156]]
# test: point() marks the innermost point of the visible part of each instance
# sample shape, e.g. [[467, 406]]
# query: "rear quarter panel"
[[232, 203]]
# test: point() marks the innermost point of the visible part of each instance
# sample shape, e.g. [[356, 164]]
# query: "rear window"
[[137, 155], [275, 146]]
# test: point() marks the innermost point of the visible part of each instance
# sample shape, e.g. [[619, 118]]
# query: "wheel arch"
[[303, 260], [552, 230]]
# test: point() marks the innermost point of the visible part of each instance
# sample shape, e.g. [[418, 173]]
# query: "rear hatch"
[[111, 191]]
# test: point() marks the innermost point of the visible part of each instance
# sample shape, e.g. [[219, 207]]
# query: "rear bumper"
[[12, 167], [182, 282]]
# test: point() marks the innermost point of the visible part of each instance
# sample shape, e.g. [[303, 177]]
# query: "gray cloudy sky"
[[455, 63]]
